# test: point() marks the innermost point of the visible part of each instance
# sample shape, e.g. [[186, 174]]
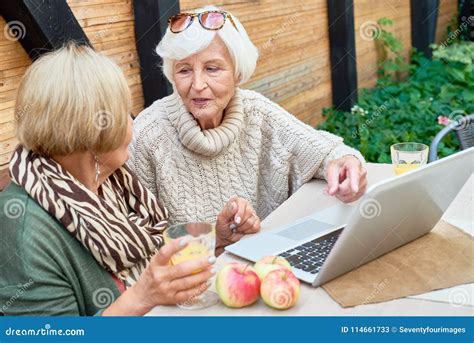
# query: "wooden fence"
[[293, 39]]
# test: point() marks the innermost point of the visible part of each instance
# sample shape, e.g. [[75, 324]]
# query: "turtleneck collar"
[[206, 142]]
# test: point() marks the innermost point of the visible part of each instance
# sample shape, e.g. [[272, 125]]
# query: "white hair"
[[178, 46]]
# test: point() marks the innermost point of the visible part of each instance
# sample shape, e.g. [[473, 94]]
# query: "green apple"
[[270, 263]]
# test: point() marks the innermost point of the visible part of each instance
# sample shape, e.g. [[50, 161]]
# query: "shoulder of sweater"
[[254, 100], [37, 240], [32, 222], [256, 103], [153, 114]]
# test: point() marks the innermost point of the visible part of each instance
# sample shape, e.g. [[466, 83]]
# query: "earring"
[[97, 170]]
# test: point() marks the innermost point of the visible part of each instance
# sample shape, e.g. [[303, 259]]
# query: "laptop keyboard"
[[310, 256]]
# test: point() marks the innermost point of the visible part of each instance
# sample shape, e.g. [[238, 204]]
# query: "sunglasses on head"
[[210, 20]]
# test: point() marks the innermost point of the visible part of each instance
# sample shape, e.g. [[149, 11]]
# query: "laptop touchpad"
[[305, 229]]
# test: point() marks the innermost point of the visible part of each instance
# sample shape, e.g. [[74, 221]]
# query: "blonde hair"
[[178, 46], [72, 100]]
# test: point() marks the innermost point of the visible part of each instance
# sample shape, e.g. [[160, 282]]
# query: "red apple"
[[238, 285], [270, 263], [280, 289]]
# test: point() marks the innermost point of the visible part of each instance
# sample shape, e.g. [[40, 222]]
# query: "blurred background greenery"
[[411, 100]]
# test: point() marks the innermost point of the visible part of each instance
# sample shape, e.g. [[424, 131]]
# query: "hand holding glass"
[[201, 242]]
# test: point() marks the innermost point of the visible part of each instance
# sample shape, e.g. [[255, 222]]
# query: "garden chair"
[[464, 131]]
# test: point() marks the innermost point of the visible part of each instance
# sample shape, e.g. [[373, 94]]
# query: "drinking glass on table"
[[201, 238], [408, 156]]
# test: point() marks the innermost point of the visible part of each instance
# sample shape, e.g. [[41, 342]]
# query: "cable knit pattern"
[[259, 152]]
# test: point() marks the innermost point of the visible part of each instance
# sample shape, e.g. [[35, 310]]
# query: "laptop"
[[393, 212]]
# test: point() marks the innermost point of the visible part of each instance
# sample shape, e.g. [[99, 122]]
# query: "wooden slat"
[[366, 13], [447, 11], [109, 25], [6, 104], [80, 3], [7, 147], [6, 115], [110, 11], [107, 20], [4, 178]]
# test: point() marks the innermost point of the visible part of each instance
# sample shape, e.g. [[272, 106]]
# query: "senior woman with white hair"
[[80, 235], [211, 139]]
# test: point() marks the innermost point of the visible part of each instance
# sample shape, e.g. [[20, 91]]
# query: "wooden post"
[[466, 8], [424, 15], [42, 25], [151, 22], [343, 53]]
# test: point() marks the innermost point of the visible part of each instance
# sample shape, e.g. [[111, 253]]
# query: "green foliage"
[[456, 31], [462, 52], [389, 51], [399, 111]]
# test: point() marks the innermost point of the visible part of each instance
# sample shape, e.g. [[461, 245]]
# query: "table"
[[315, 301]]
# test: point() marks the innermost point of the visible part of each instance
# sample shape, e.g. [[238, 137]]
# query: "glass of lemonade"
[[408, 156], [201, 238]]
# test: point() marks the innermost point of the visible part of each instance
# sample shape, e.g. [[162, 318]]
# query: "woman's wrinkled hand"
[[236, 219], [164, 284], [347, 179]]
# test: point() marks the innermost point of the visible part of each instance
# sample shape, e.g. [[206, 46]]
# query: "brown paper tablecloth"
[[440, 259]]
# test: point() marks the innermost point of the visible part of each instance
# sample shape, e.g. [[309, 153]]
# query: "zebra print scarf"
[[122, 228]]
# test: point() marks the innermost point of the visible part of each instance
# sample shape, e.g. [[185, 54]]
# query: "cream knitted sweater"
[[259, 152]]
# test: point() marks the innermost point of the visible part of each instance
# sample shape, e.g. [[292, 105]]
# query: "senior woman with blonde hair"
[[79, 232], [211, 139]]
